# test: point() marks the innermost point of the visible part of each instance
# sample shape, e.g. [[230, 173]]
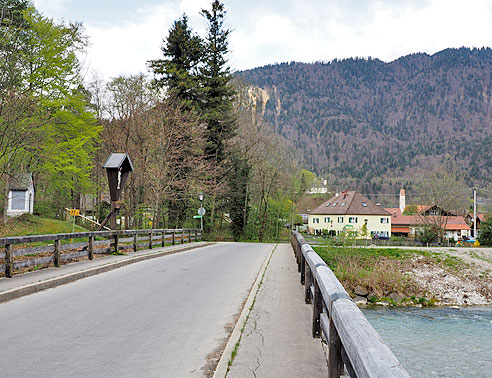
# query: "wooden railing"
[[354, 345], [98, 242]]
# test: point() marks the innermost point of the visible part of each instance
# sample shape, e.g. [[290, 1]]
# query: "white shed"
[[21, 195]]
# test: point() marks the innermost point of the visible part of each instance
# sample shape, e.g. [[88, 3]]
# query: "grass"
[[378, 270], [27, 225], [445, 260]]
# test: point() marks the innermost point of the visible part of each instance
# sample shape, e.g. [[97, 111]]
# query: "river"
[[438, 342]]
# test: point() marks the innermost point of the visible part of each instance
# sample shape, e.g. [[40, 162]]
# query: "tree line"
[[189, 126]]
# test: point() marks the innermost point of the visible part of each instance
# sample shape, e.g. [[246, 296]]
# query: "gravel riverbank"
[[454, 276]]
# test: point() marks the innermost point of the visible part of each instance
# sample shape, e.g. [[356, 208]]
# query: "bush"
[[45, 208], [428, 235]]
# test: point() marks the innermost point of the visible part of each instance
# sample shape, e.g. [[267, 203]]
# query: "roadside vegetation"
[[377, 272], [405, 277], [27, 224], [188, 127]]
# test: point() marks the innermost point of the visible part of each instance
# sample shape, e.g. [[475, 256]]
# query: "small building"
[[409, 226], [21, 195], [480, 218], [350, 211]]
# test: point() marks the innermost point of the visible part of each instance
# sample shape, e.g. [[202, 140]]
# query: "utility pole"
[[475, 213]]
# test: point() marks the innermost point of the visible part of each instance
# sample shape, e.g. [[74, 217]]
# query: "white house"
[[350, 211], [21, 195]]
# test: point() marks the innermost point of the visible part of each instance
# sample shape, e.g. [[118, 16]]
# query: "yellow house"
[[350, 211]]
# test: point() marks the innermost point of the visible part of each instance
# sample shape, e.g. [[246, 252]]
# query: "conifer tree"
[[177, 72], [217, 94]]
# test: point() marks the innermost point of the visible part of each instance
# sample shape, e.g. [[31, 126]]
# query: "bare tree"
[[443, 195]]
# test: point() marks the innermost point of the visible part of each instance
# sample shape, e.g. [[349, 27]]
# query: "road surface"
[[166, 317]]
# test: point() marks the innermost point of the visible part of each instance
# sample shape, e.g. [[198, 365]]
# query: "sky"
[[125, 34]]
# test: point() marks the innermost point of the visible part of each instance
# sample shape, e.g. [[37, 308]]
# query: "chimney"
[[402, 200], [394, 213]]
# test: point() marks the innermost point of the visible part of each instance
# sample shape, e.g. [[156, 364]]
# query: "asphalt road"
[[165, 317]]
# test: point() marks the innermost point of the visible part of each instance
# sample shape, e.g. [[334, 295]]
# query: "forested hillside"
[[371, 124]]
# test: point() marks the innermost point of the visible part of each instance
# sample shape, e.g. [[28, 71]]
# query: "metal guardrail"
[[112, 241], [354, 345]]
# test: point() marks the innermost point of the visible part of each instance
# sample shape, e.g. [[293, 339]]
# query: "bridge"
[[184, 308]]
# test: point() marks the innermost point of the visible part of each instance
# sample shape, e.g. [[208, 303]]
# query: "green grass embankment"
[[378, 271], [26, 224]]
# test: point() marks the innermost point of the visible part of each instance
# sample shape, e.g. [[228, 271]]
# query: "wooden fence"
[[41, 250], [354, 345]]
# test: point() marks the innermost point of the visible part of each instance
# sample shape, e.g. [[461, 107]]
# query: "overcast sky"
[[124, 34]]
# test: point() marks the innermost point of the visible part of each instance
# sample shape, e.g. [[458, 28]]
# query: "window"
[[352, 219], [315, 220], [343, 204], [335, 203], [340, 219], [385, 220], [327, 219], [18, 199], [364, 204]]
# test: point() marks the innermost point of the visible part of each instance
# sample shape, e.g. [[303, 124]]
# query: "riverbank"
[[415, 276]]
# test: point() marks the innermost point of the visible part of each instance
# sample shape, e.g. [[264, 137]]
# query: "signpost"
[[201, 213], [201, 210], [74, 213]]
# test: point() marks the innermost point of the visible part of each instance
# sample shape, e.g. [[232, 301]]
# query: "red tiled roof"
[[399, 220]]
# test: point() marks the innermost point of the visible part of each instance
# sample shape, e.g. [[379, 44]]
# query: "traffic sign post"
[[74, 213]]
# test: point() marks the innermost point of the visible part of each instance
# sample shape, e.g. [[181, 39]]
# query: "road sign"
[[74, 212], [197, 216], [201, 211]]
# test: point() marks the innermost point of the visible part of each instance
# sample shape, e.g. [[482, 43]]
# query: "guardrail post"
[[196, 235], [91, 247], [335, 362], [303, 270], [150, 239], [116, 242], [317, 308], [182, 236], [57, 252], [189, 236], [307, 283], [135, 241], [9, 261], [163, 238], [174, 237]]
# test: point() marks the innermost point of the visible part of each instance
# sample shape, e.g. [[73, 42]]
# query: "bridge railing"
[[42, 250], [353, 343]]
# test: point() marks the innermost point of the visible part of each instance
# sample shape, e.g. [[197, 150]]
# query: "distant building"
[[349, 211], [453, 227], [21, 195]]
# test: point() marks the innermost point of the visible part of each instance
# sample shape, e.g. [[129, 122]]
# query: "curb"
[[222, 367], [61, 280]]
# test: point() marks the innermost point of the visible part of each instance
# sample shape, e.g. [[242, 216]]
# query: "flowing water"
[[438, 342]]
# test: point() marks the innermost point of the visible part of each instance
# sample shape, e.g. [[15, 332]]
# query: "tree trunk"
[[212, 213], [6, 201]]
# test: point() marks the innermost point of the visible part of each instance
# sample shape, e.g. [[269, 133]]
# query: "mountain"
[[372, 125]]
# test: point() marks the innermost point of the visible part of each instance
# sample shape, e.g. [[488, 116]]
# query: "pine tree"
[[216, 93], [177, 72]]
